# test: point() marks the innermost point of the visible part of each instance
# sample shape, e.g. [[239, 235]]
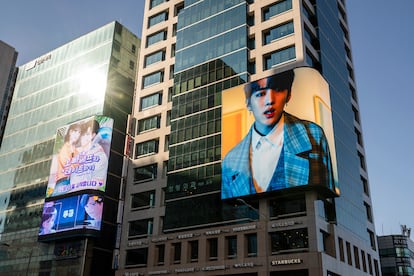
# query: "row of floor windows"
[[270, 60], [287, 241], [295, 240], [351, 255]]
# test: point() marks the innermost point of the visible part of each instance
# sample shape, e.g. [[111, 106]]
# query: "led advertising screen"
[[71, 213], [80, 156], [277, 133]]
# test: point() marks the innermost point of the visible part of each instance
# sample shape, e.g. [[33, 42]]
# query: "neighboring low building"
[[397, 254]]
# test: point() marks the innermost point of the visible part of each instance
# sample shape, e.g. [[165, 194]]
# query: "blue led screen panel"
[[80, 214]]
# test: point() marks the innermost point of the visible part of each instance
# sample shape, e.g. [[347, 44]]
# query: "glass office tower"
[[175, 220], [8, 72], [92, 75]]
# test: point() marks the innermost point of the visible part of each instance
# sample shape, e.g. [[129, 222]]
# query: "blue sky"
[[382, 36]]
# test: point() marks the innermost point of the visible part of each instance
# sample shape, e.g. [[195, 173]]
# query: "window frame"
[[151, 101], [152, 169]]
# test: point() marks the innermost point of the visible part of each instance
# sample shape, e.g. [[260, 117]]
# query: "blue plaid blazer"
[[306, 161]]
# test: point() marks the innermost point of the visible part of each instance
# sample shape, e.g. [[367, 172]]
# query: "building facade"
[[8, 57], [397, 253], [92, 75], [174, 220]]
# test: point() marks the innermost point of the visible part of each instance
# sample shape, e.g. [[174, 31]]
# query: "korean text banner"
[[72, 213], [277, 133], [80, 156]]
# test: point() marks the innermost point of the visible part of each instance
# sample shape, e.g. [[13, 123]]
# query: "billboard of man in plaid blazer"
[[280, 150]]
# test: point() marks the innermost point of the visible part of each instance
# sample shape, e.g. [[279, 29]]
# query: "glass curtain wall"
[[211, 56]]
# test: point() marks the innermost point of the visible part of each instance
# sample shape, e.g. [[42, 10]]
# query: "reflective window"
[[193, 246], [196, 152], [231, 244], [154, 57], [158, 18], [348, 253], [178, 8], [149, 123], [141, 227], [288, 207], [153, 78], [275, 9], [212, 48], [356, 258], [361, 160], [145, 173], [289, 239], [176, 252], [278, 32], [341, 249], [137, 256], [160, 253], [372, 239], [211, 27], [364, 261], [206, 9], [251, 240], [278, 57], [212, 245], [368, 211], [131, 65], [151, 100], [154, 3], [154, 38], [146, 148], [369, 264], [143, 200]]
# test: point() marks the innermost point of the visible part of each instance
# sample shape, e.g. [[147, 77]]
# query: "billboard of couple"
[[80, 156], [277, 133]]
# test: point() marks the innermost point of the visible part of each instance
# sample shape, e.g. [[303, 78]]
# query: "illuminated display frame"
[[77, 166], [75, 193], [74, 215], [314, 166]]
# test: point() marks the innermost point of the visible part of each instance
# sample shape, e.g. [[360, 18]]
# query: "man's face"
[[267, 106]]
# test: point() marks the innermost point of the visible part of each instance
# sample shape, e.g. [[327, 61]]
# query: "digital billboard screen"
[[80, 212], [277, 133], [80, 156]]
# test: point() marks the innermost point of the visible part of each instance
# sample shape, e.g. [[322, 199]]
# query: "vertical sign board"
[[80, 156], [78, 174]]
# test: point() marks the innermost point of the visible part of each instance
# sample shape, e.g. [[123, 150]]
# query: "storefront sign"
[[137, 243], [244, 228], [184, 270], [214, 267], [215, 232], [244, 265], [160, 272], [285, 224], [286, 262]]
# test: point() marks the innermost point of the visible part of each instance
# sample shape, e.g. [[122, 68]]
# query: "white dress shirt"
[[265, 154]]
